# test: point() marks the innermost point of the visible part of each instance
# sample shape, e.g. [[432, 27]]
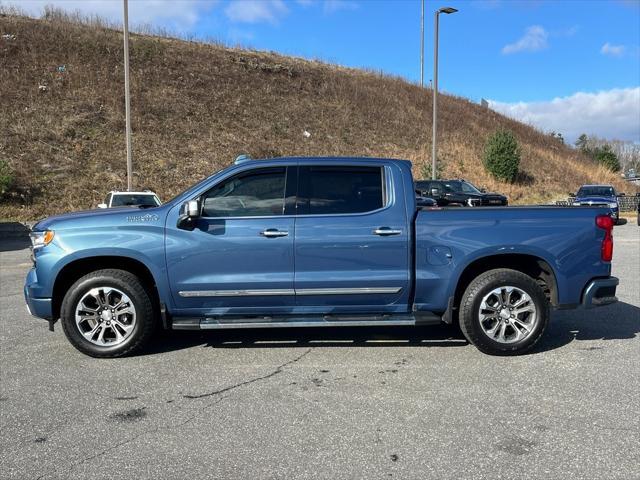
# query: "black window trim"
[[292, 184]]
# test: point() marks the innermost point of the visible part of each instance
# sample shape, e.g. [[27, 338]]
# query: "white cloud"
[[256, 11], [612, 50], [157, 12], [534, 39], [610, 114]]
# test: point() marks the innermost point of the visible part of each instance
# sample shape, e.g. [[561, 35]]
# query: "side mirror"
[[622, 194], [193, 209], [483, 190], [572, 194], [102, 205], [190, 212], [435, 192]]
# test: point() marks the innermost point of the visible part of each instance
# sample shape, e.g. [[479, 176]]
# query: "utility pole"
[[127, 96], [422, 46], [446, 10]]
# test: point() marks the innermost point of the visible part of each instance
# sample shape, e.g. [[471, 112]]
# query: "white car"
[[131, 199]]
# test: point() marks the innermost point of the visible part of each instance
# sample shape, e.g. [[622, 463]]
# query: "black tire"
[[140, 297], [470, 306]]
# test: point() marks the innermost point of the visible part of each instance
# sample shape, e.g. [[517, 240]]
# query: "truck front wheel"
[[504, 312], [108, 313]]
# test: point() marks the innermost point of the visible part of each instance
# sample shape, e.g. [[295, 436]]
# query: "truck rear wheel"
[[108, 313], [504, 312]]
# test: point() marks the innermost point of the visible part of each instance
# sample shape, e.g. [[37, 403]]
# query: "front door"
[[352, 239], [239, 258]]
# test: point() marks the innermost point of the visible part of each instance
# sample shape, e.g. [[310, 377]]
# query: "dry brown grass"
[[196, 106]]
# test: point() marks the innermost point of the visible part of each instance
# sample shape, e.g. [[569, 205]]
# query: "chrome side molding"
[[237, 293], [347, 291], [289, 291]]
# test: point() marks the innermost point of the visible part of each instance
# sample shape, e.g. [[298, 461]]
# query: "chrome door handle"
[[272, 233], [386, 231]]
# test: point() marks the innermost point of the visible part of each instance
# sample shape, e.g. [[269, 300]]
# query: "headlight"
[[41, 239], [613, 205], [576, 204]]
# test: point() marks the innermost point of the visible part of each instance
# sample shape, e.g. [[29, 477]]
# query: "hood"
[[595, 199], [493, 194], [101, 216], [485, 195]]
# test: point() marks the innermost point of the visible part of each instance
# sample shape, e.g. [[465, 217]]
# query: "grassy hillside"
[[196, 106]]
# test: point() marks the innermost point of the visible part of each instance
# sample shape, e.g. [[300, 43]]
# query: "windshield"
[[460, 186], [596, 191], [135, 200]]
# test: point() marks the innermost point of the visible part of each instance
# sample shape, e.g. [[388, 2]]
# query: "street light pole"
[[422, 46], [127, 96], [446, 10]]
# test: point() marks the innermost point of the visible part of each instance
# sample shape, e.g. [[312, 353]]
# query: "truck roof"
[[306, 160]]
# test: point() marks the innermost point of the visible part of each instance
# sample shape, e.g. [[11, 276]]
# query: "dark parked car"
[[599, 195], [458, 193]]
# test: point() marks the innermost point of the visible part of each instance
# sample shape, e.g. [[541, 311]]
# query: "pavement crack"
[[253, 380], [278, 370], [102, 452]]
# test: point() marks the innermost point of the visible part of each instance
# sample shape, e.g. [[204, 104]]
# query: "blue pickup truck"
[[305, 242]]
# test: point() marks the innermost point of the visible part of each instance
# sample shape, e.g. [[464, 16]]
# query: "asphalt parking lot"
[[352, 403]]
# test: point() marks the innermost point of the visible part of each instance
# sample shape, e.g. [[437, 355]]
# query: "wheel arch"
[[534, 266], [76, 269]]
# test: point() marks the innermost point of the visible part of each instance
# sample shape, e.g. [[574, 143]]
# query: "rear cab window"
[[336, 190]]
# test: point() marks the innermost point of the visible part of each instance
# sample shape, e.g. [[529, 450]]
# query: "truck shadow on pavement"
[[391, 336], [616, 322]]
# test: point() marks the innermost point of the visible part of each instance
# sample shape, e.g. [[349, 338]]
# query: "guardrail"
[[627, 203]]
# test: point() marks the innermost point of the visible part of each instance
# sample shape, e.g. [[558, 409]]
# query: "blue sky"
[[560, 65]]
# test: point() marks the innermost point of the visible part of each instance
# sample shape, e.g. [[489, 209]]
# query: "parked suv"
[[598, 195], [131, 199], [458, 193]]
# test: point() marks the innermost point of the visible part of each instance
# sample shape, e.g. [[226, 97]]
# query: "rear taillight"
[[605, 222]]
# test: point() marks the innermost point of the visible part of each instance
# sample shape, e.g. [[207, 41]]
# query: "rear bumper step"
[[238, 322], [600, 292]]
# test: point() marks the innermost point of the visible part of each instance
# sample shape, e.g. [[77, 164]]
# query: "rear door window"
[[329, 190]]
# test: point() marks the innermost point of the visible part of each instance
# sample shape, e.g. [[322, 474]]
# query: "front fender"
[[144, 244]]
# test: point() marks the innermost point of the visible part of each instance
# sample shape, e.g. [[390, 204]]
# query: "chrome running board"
[[265, 321]]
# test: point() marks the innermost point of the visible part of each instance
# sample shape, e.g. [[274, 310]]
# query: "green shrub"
[[6, 177], [502, 156], [606, 157]]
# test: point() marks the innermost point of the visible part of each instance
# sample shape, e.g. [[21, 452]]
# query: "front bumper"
[[38, 307], [600, 292]]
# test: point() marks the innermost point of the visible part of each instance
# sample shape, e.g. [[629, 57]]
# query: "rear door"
[[351, 239]]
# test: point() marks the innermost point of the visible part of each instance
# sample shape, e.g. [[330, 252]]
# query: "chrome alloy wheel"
[[508, 314], [105, 316]]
